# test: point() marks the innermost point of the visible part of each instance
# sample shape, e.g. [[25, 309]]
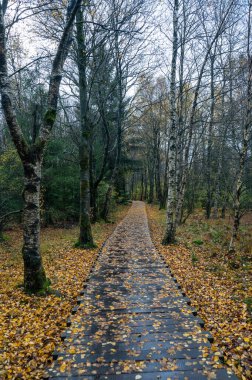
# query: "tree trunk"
[[151, 184], [85, 235], [93, 203], [106, 205], [1, 232], [105, 209], [216, 200], [170, 232], [217, 195], [181, 105], [119, 120], [165, 185], [181, 197], [209, 144], [91, 185], [34, 274], [132, 186], [95, 183], [157, 165], [142, 187], [245, 143], [145, 185], [223, 210]]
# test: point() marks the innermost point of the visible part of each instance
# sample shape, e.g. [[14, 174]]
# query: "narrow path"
[[133, 321]]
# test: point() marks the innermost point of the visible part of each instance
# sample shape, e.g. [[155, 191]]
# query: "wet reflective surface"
[[132, 320]]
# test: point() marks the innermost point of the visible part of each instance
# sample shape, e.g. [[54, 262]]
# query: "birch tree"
[[31, 154], [246, 135], [176, 197], [170, 231]]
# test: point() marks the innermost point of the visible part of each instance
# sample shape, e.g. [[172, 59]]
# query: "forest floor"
[[219, 289], [30, 326]]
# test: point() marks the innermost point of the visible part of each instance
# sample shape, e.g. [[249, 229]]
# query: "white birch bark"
[[170, 231]]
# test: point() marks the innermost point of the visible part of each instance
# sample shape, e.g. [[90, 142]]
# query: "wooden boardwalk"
[[133, 322]]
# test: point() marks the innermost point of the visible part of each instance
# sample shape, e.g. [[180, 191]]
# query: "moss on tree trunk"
[[34, 273]]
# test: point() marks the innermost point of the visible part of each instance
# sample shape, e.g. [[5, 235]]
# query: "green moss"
[[50, 116], [3, 238], [85, 246], [216, 235], [198, 242], [45, 289], [86, 134], [41, 287], [194, 258], [248, 302]]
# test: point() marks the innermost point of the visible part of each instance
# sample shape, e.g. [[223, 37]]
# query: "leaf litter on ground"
[[217, 290], [30, 326]]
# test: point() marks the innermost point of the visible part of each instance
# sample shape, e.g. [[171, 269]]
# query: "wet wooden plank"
[[119, 367], [219, 374], [124, 346], [132, 321], [108, 355], [134, 338]]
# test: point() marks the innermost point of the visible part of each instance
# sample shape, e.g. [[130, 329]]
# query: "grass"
[[198, 242], [195, 258]]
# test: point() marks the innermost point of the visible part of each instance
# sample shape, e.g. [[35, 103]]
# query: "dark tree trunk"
[[93, 203], [119, 118], [1, 234], [133, 191], [151, 187], [223, 211], [106, 205], [1, 230], [85, 236], [95, 183], [93, 188], [209, 202], [158, 185], [145, 186], [142, 187], [91, 185], [217, 195], [105, 209], [34, 274]]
